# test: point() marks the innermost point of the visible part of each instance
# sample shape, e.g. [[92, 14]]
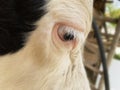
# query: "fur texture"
[[45, 62], [16, 19]]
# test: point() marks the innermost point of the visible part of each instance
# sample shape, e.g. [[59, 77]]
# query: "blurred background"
[[107, 20]]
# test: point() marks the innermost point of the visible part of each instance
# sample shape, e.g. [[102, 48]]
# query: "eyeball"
[[66, 33]]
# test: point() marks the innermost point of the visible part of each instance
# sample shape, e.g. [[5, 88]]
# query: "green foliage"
[[113, 12], [117, 56]]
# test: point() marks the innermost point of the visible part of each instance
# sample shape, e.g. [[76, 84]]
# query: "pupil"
[[68, 36]]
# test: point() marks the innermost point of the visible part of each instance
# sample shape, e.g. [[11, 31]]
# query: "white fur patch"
[[40, 65]]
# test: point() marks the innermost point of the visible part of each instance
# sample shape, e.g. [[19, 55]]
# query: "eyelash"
[[67, 33]]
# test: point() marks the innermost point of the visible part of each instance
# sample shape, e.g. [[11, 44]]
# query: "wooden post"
[[111, 53]]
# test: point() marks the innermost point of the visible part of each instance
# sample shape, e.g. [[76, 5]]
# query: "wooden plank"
[[93, 69], [111, 53]]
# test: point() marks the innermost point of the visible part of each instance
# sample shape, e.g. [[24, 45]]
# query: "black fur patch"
[[16, 19]]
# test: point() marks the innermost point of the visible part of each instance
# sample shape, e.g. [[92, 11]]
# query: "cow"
[[41, 44]]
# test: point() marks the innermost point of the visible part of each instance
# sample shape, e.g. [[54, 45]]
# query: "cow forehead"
[[77, 2], [86, 3], [78, 11]]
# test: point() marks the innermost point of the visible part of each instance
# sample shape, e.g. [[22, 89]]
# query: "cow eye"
[[66, 33]]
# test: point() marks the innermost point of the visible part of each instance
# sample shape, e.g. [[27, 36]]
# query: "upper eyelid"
[[73, 25]]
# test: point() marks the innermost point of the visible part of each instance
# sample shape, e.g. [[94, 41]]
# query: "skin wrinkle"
[[44, 65], [69, 7]]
